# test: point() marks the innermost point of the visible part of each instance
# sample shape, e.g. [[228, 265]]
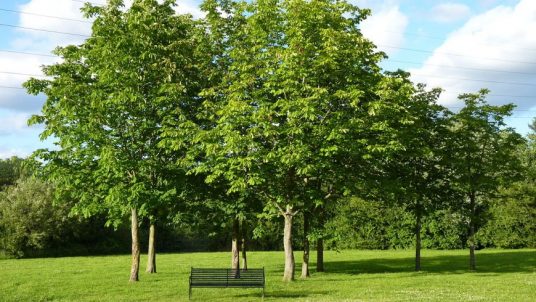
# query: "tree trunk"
[[235, 248], [135, 248], [320, 255], [418, 241], [244, 245], [305, 263], [472, 259], [287, 242], [320, 242], [151, 253]]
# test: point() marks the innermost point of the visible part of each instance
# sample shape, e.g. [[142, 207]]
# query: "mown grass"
[[503, 275]]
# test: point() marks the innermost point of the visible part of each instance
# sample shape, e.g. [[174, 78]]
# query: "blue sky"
[[461, 46]]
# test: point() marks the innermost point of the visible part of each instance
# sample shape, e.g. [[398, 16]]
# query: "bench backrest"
[[227, 277]]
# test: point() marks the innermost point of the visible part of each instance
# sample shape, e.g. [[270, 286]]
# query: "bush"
[[512, 224], [28, 218]]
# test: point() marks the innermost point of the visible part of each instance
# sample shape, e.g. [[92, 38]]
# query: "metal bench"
[[221, 277]]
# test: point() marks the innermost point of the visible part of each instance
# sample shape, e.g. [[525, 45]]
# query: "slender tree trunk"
[[287, 242], [472, 259], [320, 243], [135, 247], [305, 263], [235, 248], [418, 241], [244, 245], [151, 253], [320, 255]]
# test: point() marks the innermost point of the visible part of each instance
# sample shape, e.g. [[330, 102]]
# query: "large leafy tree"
[[223, 18], [484, 157], [106, 103], [302, 109], [419, 174]]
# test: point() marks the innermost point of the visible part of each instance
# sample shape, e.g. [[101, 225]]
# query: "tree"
[[106, 104], [484, 157], [302, 107], [419, 174]]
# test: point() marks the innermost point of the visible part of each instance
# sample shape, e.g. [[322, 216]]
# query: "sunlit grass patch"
[[503, 275]]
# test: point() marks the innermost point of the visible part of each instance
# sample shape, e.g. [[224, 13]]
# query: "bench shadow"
[[496, 262]]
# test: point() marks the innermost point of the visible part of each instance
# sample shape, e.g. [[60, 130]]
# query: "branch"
[[280, 208], [281, 211]]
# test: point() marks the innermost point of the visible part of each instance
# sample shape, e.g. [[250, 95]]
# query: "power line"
[[460, 67], [23, 74], [403, 48], [387, 31], [520, 110], [44, 30], [444, 38], [474, 80], [41, 15], [29, 53], [493, 95], [455, 54], [11, 87], [95, 3], [388, 46], [419, 50]]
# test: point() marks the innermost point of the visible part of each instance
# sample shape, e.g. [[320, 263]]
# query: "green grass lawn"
[[503, 275]]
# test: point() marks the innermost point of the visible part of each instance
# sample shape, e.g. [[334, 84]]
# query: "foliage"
[[280, 106], [107, 102], [11, 170], [484, 158], [513, 212], [512, 223], [28, 218], [444, 229], [374, 225]]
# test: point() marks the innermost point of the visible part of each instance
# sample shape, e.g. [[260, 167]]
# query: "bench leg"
[[190, 293], [263, 294]]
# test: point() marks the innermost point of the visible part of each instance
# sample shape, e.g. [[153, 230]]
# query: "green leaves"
[[297, 95], [109, 100], [484, 148]]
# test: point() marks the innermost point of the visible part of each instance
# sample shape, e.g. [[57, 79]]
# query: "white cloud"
[[13, 67], [449, 12], [66, 9], [14, 123], [386, 28], [44, 42], [189, 7], [493, 49], [10, 152]]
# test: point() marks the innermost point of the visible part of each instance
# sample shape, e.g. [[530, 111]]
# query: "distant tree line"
[[265, 116], [32, 225]]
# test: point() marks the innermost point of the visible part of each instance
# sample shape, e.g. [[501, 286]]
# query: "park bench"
[[221, 277]]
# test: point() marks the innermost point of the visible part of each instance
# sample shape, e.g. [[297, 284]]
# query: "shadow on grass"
[[293, 294], [496, 262]]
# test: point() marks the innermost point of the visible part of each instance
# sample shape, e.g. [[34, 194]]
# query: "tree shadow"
[[294, 294], [495, 262]]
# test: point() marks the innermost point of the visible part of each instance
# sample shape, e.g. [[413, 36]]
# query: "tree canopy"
[[260, 109]]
